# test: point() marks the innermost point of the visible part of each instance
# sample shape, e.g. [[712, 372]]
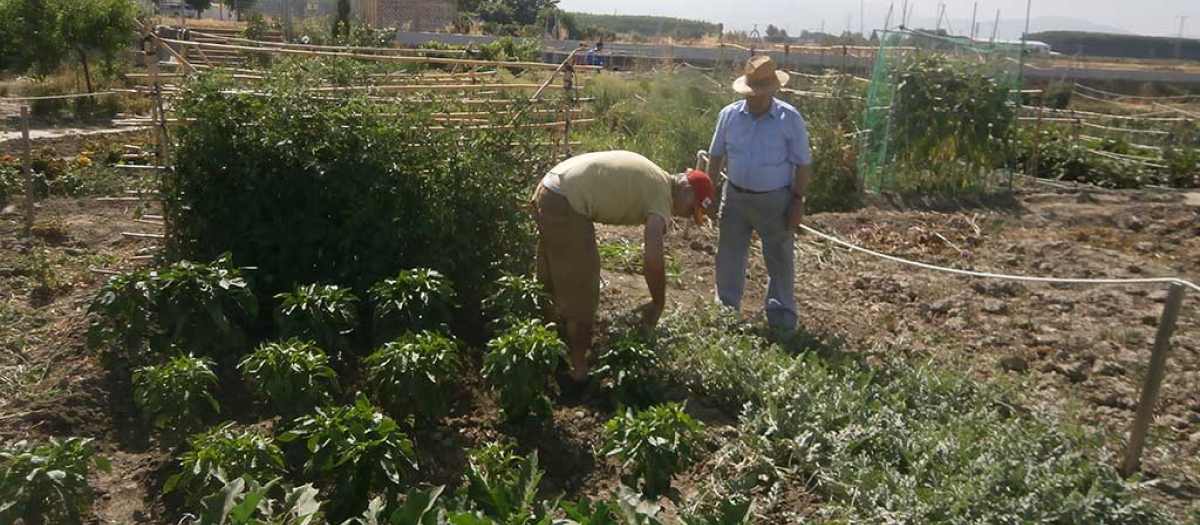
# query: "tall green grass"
[[899, 441]]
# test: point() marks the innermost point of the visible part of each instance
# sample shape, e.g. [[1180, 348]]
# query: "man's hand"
[[795, 213], [651, 312]]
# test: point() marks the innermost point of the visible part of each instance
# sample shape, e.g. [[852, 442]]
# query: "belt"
[[740, 189]]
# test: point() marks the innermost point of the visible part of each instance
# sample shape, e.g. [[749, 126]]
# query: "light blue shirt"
[[761, 152]]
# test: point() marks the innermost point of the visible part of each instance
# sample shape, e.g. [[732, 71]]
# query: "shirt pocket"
[[774, 148]]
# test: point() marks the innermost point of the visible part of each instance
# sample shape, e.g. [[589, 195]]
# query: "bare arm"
[[654, 261], [795, 211], [803, 177], [715, 165]]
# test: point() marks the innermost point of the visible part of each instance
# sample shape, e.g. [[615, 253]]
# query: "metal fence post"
[[1153, 382], [27, 169]]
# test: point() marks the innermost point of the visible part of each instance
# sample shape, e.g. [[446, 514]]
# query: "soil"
[[1081, 349]]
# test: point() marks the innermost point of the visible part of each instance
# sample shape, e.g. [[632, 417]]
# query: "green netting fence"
[[941, 115]]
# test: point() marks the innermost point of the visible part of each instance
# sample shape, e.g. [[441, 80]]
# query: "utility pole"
[[974, 12], [862, 13], [995, 27], [1179, 41]]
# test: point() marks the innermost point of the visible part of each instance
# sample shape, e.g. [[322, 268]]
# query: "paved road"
[[707, 56]]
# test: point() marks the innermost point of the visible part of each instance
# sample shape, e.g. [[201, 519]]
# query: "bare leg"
[[579, 341]]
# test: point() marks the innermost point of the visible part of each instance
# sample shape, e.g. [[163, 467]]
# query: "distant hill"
[[1117, 45], [645, 26]]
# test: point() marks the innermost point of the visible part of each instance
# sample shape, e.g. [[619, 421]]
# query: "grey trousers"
[[742, 214]]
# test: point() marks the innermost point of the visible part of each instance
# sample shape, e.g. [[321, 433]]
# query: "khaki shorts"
[[568, 259]]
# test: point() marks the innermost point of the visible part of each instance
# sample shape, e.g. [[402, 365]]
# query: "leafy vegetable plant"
[[221, 454], [516, 298], [47, 483], [122, 313], [635, 370], [503, 486], [519, 363], [323, 314], [293, 376], [245, 501], [357, 451], [206, 308], [652, 445], [177, 394], [415, 300], [410, 374]]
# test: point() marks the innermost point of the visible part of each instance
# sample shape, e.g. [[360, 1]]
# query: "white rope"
[[987, 275]]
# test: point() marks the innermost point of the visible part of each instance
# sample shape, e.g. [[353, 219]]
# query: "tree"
[[32, 29], [523, 12], [199, 5], [97, 27]]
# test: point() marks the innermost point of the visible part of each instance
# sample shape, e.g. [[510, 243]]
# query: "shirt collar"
[[776, 111]]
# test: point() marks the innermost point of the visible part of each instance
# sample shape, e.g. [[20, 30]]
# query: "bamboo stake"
[[385, 58], [314, 47], [162, 45], [1153, 382], [27, 169]]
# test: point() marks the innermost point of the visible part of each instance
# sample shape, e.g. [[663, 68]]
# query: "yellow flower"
[[84, 161]]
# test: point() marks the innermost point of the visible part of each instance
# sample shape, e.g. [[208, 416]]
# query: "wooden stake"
[[27, 169], [1153, 382]]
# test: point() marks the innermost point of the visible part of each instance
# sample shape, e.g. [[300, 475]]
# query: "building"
[[412, 15]]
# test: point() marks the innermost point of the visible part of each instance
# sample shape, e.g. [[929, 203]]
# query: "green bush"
[[519, 363], [293, 376], [413, 301], [221, 454], [635, 371], [177, 395], [47, 484], [515, 299], [411, 374], [652, 446], [356, 451], [12, 186], [309, 189], [206, 308], [322, 314]]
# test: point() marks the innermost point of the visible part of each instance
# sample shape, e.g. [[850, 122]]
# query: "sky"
[[1151, 17]]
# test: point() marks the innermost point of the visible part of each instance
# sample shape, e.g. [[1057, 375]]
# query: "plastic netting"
[[941, 114]]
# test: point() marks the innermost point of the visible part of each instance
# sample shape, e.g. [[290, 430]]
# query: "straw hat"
[[761, 78]]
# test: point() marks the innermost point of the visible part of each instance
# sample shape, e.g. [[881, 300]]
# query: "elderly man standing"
[[764, 143]]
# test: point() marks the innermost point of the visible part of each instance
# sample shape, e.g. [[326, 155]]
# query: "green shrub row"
[[899, 441], [316, 187]]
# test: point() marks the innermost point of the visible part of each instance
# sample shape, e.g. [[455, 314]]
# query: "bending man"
[[614, 187]]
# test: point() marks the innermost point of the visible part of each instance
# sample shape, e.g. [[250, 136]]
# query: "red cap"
[[702, 185]]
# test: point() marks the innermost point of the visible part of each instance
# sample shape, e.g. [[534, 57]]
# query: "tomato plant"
[[177, 395], [293, 376], [652, 445], [519, 363], [357, 451], [47, 483], [410, 375], [322, 314], [221, 454], [413, 301]]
